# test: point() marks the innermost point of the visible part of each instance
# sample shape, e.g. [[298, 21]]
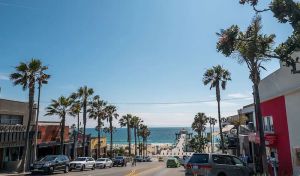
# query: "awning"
[[270, 139]]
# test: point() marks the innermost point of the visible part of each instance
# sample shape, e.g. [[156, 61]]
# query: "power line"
[[172, 103]]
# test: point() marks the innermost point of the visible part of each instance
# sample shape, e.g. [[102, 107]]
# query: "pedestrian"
[[133, 162]]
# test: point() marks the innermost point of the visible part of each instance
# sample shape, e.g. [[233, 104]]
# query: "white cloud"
[[238, 95], [4, 76]]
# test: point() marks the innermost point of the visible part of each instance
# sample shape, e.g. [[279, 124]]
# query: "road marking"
[[131, 173]]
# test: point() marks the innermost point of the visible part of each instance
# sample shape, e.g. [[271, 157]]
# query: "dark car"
[[139, 159], [51, 163], [147, 159], [215, 165], [120, 161]]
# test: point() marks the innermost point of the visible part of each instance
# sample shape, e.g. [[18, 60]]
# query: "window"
[[199, 158], [268, 124], [11, 119], [222, 159], [237, 161]]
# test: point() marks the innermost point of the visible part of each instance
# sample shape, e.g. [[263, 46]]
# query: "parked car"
[[82, 163], [160, 159], [51, 163], [103, 163], [216, 165], [139, 158], [173, 162], [147, 159], [120, 161]]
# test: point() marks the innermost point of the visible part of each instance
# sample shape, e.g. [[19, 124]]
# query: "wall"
[[51, 133], [293, 113], [16, 108], [276, 109]]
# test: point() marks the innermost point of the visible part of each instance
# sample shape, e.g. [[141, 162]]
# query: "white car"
[[82, 163], [103, 163]]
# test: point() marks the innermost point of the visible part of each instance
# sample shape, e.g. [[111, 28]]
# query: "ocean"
[[158, 134]]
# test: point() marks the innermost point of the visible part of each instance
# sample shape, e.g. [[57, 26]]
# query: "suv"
[[51, 163], [120, 160], [216, 165], [83, 163]]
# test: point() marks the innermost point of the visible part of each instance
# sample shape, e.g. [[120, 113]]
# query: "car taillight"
[[189, 166], [207, 167]]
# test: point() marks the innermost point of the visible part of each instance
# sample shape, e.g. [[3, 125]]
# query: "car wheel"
[[93, 168], [66, 169], [110, 166], [104, 166], [82, 167], [221, 174], [51, 170]]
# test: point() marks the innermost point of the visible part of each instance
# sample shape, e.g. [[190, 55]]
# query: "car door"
[[59, 162], [224, 164], [240, 166]]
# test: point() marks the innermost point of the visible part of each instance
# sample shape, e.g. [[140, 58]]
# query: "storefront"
[[280, 99]]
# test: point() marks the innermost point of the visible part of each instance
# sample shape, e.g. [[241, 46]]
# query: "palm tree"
[[237, 122], [135, 122], [216, 77], [252, 48], [75, 111], [97, 111], [41, 79], [212, 122], [126, 121], [26, 75], [111, 114], [83, 94], [144, 133], [60, 107]]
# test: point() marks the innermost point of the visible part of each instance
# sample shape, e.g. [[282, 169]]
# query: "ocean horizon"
[[159, 135]]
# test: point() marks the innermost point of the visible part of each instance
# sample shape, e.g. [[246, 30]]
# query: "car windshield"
[[48, 158], [80, 159], [119, 157], [101, 159], [199, 158]]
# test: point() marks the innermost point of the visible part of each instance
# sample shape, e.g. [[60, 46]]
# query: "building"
[[93, 147], [49, 139], [14, 117], [280, 99]]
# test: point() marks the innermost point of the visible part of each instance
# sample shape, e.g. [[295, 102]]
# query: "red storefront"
[[277, 133]]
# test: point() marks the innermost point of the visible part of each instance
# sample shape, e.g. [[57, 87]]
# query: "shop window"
[[268, 124], [11, 119]]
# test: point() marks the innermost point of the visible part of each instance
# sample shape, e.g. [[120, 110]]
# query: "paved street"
[[141, 169]]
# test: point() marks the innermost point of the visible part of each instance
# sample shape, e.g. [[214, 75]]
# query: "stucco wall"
[[279, 82], [16, 108], [293, 113]]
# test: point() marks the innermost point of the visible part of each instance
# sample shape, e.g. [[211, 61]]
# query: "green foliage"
[[198, 143], [215, 76], [199, 123], [285, 11], [250, 47]]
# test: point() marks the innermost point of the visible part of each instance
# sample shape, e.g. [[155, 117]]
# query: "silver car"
[[208, 164]]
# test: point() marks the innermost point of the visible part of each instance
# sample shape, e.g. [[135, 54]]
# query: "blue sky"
[[129, 51]]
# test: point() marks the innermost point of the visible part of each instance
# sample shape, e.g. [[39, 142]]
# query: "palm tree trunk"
[[262, 146], [135, 149], [111, 138], [84, 125], [37, 124], [77, 137], [129, 139], [99, 137], [62, 132], [238, 141], [210, 136], [213, 142], [24, 163], [219, 116]]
